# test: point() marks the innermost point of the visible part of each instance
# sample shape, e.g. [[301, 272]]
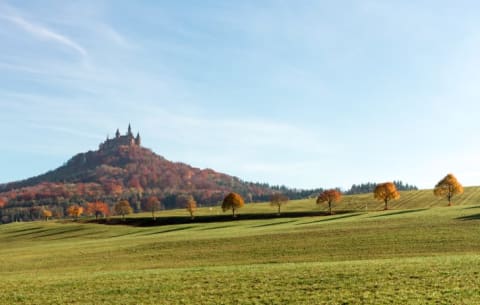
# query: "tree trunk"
[[386, 206], [233, 212], [449, 200], [278, 210], [330, 207], [153, 215]]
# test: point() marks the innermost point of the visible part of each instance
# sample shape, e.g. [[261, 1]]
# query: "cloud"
[[44, 33]]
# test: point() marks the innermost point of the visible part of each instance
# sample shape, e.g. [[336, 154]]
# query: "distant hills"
[[122, 168]]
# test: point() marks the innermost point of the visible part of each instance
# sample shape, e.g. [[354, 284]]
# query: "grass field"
[[421, 252]]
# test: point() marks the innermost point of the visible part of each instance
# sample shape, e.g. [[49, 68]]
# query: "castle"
[[119, 140]]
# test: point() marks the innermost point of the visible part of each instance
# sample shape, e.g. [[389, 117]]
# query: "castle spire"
[[138, 141], [129, 132], [117, 133]]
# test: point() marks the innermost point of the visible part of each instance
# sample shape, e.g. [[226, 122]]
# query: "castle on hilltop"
[[119, 140]]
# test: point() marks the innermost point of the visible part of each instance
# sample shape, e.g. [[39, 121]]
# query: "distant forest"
[[370, 186]]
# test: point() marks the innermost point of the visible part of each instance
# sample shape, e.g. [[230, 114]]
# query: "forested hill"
[[122, 168], [368, 187]]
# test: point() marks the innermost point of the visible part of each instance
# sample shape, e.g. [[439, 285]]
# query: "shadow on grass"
[[331, 219], [470, 217], [399, 213], [171, 230], [214, 228], [176, 220], [474, 207], [273, 224]]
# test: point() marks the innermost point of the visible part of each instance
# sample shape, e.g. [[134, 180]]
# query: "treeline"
[[369, 187]]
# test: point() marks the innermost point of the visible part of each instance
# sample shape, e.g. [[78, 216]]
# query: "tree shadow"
[[273, 224], [474, 207], [330, 219], [469, 217], [170, 230], [176, 220], [399, 213]]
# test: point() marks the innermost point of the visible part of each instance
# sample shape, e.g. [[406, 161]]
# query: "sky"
[[299, 93]]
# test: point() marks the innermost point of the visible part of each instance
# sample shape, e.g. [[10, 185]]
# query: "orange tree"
[[329, 196], [98, 208], [188, 202], [191, 205], [75, 211], [123, 208], [447, 187], [385, 192], [46, 214], [277, 200], [152, 205], [232, 201]]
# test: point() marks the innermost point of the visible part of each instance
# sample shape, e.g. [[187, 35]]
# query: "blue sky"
[[301, 93]]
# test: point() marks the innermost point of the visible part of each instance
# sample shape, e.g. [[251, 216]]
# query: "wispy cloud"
[[45, 33]]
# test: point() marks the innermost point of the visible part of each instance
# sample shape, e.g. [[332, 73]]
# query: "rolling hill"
[[123, 168]]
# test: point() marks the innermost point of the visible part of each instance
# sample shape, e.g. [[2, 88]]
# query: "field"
[[420, 252]]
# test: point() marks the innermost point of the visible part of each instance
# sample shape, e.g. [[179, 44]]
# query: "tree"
[[447, 187], [232, 201], [46, 214], [190, 205], [277, 200], [75, 211], [123, 208], [386, 192], [152, 205], [98, 208], [329, 196]]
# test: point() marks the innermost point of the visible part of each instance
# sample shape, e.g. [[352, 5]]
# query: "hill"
[[122, 168]]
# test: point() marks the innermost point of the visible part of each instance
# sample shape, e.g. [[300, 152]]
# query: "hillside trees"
[[448, 187], [232, 201], [385, 192], [329, 196], [278, 200], [123, 208]]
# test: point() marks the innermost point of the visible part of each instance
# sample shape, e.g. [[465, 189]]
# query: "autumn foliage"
[[98, 208], [75, 211], [46, 214], [277, 200], [189, 203], [329, 196], [232, 201], [123, 208], [385, 192], [448, 187], [152, 205]]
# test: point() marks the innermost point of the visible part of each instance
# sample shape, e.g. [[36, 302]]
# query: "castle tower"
[[138, 141], [117, 134], [129, 132]]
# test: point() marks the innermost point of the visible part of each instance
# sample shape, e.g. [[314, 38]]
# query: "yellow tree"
[[46, 214], [232, 201], [75, 211], [277, 200], [191, 206], [385, 192], [123, 208], [447, 187], [329, 196]]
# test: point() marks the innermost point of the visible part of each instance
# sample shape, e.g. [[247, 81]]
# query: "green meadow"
[[419, 252]]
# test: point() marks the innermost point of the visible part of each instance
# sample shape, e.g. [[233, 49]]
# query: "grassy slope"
[[415, 256]]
